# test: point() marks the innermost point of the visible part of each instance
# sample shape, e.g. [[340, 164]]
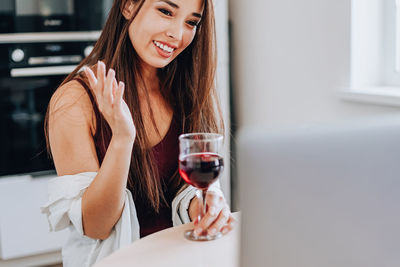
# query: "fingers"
[[105, 85], [215, 204], [114, 88], [229, 226], [101, 74], [119, 93], [108, 86], [221, 220], [91, 78]]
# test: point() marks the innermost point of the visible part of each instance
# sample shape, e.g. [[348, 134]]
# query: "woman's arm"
[[73, 149], [103, 201]]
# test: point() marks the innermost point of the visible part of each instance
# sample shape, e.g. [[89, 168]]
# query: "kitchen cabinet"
[[24, 229]]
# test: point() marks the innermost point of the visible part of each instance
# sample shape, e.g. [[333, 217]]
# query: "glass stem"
[[204, 208]]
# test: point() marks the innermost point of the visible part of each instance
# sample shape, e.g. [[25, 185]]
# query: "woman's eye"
[[165, 12], [193, 23]]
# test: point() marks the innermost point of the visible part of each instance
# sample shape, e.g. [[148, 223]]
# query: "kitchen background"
[[291, 63], [40, 42]]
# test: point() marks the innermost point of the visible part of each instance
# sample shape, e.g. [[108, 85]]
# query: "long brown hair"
[[187, 84]]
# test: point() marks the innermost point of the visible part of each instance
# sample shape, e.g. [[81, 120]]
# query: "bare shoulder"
[[70, 104], [70, 130]]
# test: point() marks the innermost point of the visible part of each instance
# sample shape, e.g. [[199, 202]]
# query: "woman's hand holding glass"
[[109, 97], [200, 164], [218, 218]]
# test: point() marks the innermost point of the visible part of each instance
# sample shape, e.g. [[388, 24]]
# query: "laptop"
[[321, 196]]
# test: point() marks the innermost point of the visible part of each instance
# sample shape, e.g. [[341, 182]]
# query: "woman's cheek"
[[188, 38]]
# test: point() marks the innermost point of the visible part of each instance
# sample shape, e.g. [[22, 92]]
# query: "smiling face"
[[163, 29]]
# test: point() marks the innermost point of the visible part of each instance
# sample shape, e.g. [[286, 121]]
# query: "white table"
[[170, 248]]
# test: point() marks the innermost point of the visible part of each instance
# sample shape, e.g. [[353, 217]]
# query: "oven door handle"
[[42, 71]]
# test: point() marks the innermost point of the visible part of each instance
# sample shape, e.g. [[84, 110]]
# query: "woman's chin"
[[159, 63]]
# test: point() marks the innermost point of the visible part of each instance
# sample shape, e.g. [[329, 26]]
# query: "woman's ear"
[[127, 10]]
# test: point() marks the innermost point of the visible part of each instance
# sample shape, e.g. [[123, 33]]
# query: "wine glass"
[[200, 164]]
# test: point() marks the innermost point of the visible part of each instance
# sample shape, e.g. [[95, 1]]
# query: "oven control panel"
[[26, 59], [45, 54]]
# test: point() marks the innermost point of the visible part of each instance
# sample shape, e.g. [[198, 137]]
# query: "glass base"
[[189, 235]]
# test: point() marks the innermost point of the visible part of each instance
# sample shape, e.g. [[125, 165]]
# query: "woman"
[[116, 149]]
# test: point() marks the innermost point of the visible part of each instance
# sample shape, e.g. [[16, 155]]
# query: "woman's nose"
[[175, 31]]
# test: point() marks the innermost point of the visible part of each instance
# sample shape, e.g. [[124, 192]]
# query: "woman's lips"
[[162, 52]]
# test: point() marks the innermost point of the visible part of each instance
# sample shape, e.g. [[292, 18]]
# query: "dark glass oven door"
[[7, 14], [21, 16], [23, 104]]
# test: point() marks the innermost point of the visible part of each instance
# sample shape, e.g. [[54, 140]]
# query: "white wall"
[[221, 20], [290, 59]]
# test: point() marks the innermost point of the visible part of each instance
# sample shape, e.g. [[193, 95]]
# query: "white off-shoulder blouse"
[[63, 210]]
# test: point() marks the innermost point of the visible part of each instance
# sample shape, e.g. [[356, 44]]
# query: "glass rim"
[[209, 137]]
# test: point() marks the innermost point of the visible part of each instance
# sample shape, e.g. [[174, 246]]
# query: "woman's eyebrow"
[[172, 4]]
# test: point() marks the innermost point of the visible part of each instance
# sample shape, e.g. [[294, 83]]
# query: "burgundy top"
[[166, 154]]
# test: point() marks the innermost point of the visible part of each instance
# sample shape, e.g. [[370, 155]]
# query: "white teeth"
[[164, 47]]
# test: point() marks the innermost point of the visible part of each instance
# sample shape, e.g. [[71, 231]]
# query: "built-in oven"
[[41, 41], [29, 74], [17, 16]]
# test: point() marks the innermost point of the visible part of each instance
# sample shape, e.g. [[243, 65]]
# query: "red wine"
[[201, 170]]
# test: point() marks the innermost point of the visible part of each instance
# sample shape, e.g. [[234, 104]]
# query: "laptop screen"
[[324, 195]]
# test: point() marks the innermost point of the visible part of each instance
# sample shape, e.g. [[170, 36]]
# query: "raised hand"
[[109, 97]]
